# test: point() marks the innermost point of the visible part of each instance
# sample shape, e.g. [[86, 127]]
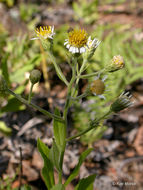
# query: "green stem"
[[67, 104], [69, 91], [77, 80], [90, 127], [60, 178], [24, 101], [91, 75], [79, 97], [30, 93], [58, 69]]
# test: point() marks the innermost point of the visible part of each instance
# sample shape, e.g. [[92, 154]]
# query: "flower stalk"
[[24, 101], [58, 69], [92, 125]]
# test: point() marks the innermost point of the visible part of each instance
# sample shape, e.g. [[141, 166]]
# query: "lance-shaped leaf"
[[55, 156], [60, 136], [47, 171], [76, 170], [86, 183], [59, 130]]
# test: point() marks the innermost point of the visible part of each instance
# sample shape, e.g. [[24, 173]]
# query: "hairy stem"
[[24, 101], [30, 93], [69, 90], [91, 75], [77, 80], [67, 104], [60, 178], [57, 68], [90, 127]]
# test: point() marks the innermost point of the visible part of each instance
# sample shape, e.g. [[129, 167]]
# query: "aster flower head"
[[92, 45], [115, 64], [98, 86], [77, 41], [122, 102], [44, 32]]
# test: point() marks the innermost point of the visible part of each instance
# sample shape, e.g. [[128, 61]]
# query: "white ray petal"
[[68, 46], [74, 50], [34, 38], [104, 78], [102, 97], [65, 43], [71, 49], [77, 50]]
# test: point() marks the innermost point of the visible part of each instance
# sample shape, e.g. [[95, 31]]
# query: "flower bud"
[[115, 64], [3, 86], [122, 102], [92, 46], [35, 76]]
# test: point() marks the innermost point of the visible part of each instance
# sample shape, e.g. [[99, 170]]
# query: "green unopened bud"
[[35, 76], [122, 102], [115, 64], [3, 86]]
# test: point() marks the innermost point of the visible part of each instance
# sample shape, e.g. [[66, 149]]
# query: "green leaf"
[[59, 130], [76, 170], [4, 129], [13, 105], [48, 169], [18, 76], [58, 69], [60, 135], [55, 155], [27, 187], [58, 187], [86, 183]]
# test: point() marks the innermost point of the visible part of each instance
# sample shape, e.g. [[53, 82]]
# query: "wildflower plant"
[[80, 45]]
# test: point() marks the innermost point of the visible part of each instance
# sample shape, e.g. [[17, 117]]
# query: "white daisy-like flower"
[[44, 32], [93, 43], [98, 87], [77, 41]]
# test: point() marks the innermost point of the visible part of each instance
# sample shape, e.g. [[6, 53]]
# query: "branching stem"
[[90, 127], [24, 101]]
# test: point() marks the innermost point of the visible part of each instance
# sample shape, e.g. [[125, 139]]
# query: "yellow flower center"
[[44, 31], [78, 38], [97, 87]]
